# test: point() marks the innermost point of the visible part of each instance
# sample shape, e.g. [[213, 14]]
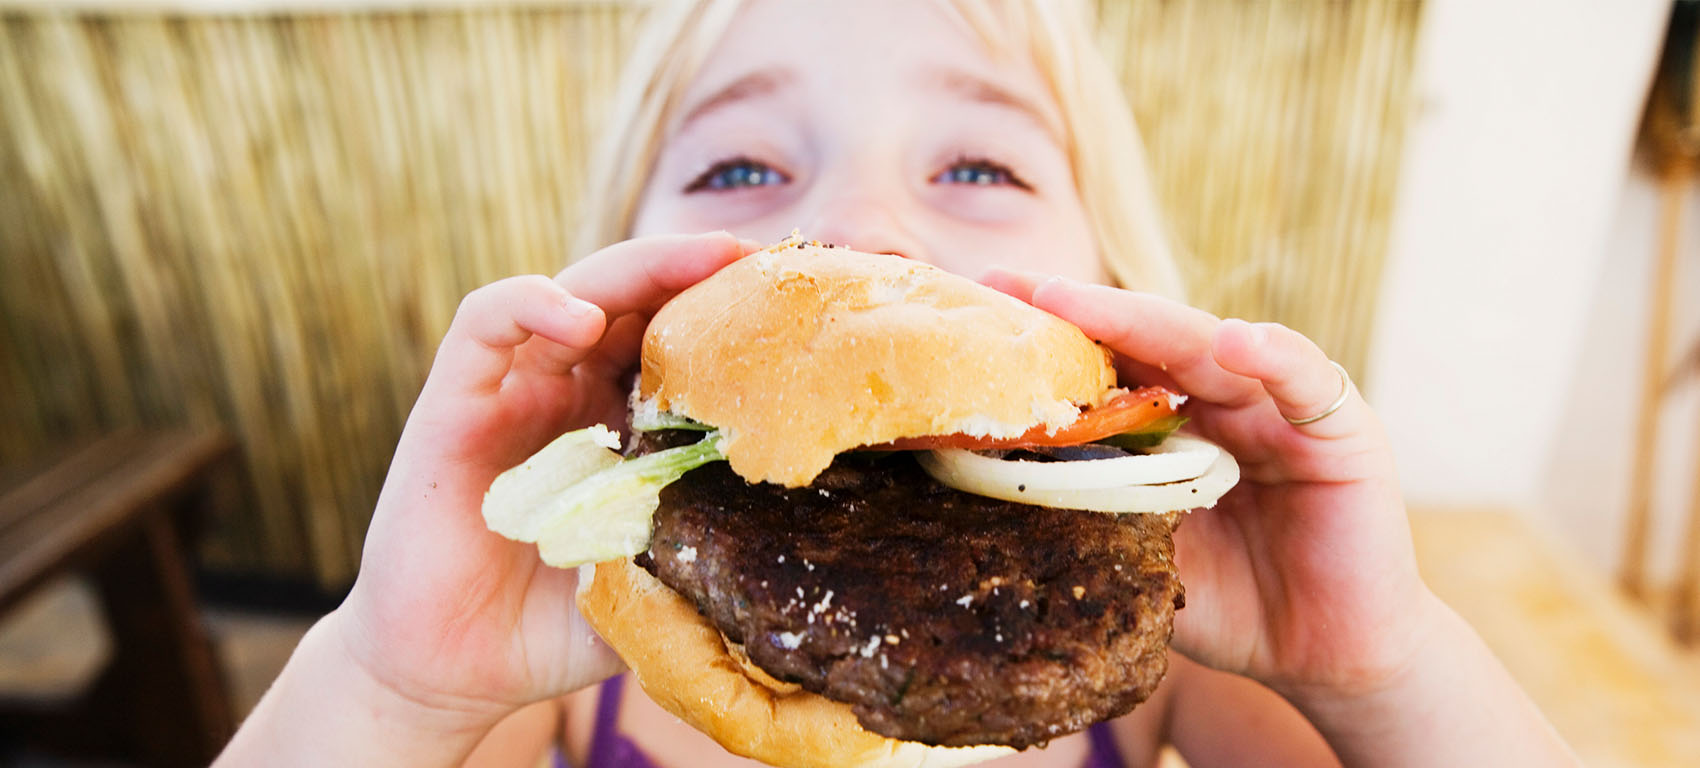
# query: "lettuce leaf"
[[1150, 436], [581, 503]]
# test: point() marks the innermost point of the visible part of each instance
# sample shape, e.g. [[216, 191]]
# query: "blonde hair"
[[1103, 143]]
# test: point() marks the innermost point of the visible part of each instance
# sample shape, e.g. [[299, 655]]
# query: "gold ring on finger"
[[1345, 392]]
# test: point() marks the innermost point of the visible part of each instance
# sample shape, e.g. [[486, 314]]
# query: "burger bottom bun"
[[684, 664]]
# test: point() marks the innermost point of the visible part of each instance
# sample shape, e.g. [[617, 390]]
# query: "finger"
[[593, 659], [1153, 331], [641, 274], [620, 348], [1021, 284], [1293, 370], [1132, 373], [1014, 282], [1221, 583], [615, 353], [478, 349]]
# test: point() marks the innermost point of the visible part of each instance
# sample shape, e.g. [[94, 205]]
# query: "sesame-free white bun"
[[686, 666], [796, 354], [801, 352]]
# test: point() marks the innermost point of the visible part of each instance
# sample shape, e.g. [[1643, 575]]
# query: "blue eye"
[[982, 173], [736, 173]]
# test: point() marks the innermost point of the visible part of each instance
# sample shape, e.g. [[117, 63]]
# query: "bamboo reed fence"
[[266, 220]]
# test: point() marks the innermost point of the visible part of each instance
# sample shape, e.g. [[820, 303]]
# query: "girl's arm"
[[1452, 685], [525, 739], [326, 709], [1452, 704], [1216, 718]]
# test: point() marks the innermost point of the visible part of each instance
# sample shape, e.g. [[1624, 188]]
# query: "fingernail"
[[1029, 274], [750, 246], [579, 309]]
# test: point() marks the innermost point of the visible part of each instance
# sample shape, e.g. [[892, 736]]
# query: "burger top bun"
[[687, 667], [801, 352]]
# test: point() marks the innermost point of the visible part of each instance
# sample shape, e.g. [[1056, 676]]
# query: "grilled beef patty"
[[941, 616]]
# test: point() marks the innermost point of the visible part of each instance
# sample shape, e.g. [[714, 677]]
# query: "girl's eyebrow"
[[981, 90], [762, 82]]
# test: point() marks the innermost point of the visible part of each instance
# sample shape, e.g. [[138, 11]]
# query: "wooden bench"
[[121, 510]]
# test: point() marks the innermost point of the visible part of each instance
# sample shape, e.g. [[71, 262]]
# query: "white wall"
[[1586, 482], [1513, 170]]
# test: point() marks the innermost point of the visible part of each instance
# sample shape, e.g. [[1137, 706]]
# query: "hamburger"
[[873, 513]]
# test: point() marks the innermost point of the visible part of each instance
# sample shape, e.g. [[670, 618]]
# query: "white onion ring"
[[1179, 458], [1194, 493]]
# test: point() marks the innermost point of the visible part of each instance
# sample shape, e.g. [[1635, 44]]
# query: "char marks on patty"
[[942, 617]]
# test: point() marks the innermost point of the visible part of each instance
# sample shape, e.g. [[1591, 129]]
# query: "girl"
[[986, 138]]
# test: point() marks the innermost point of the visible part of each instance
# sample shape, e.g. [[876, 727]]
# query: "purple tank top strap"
[[1105, 753], [607, 722], [609, 749]]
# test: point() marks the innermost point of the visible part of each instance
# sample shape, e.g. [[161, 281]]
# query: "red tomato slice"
[[1127, 412]]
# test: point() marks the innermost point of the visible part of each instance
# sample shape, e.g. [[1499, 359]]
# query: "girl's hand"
[[1304, 575], [445, 612]]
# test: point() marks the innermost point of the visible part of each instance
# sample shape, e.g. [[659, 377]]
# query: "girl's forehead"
[[791, 49]]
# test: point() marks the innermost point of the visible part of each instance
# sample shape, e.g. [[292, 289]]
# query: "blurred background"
[[231, 234]]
